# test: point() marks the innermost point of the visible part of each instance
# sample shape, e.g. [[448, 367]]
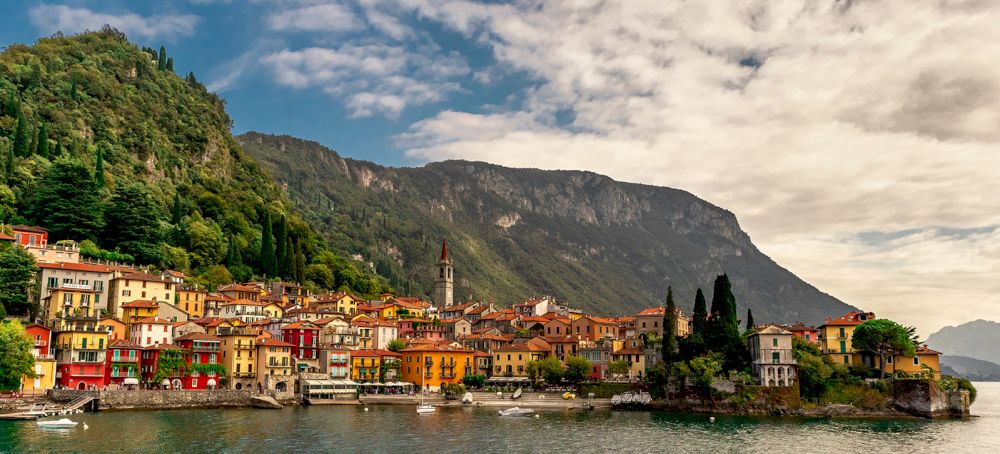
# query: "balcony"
[[41, 343], [243, 375], [447, 375]]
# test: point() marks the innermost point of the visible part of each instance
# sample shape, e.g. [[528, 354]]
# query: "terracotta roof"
[[217, 297], [239, 288], [459, 307], [326, 297], [561, 339], [84, 267], [560, 319], [606, 321], [850, 319], [478, 310], [623, 320], [141, 303], [273, 343], [6, 237], [244, 302], [799, 327], [532, 345], [653, 311], [451, 320], [165, 347], [374, 352], [122, 343], [925, 350], [28, 228], [140, 276], [154, 320], [198, 337], [629, 351], [495, 337], [174, 273], [534, 319], [428, 347], [300, 325]]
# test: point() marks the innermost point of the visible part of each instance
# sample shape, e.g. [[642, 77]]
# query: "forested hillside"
[[102, 143]]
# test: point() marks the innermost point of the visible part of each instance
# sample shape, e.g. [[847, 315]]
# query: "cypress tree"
[[33, 145], [21, 140], [724, 304], [161, 63], [670, 329], [288, 266], [9, 161], [170, 64], [300, 263], [700, 314], [99, 168], [750, 324], [58, 149], [267, 264], [43, 141], [11, 108], [72, 90], [281, 252]]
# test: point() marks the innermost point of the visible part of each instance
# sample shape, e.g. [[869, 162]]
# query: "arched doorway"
[[260, 389], [82, 386], [176, 384], [239, 386], [281, 387]]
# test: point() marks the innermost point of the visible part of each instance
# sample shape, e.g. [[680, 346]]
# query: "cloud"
[[328, 17], [371, 78], [67, 19], [814, 121]]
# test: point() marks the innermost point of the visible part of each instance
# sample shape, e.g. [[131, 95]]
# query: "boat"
[[516, 395], [425, 408], [467, 398], [59, 424], [516, 411]]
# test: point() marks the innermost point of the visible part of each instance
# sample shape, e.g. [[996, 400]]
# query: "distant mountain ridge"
[[601, 245], [970, 368], [976, 339]]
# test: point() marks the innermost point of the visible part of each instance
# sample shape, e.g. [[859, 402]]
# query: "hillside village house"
[[138, 310], [275, 365], [150, 365], [116, 328], [140, 286], [245, 310], [242, 292], [650, 320], [342, 302], [304, 339], [366, 364], [191, 300], [771, 356], [203, 352], [512, 360], [151, 331], [81, 350], [94, 277], [835, 335], [435, 365], [594, 328], [45, 363], [123, 363], [35, 240], [67, 299], [807, 333], [338, 333], [238, 347], [336, 363]]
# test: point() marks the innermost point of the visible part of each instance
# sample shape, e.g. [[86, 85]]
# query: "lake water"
[[400, 429]]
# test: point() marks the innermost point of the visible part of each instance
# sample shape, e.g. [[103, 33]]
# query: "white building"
[[771, 354], [151, 331]]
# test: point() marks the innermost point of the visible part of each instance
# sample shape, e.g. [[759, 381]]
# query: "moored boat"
[[516, 411], [58, 424]]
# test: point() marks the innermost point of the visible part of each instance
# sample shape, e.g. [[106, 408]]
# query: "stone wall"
[[925, 399], [155, 399]]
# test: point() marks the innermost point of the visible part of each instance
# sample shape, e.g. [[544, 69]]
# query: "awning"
[[211, 382], [131, 381], [507, 379], [165, 382]]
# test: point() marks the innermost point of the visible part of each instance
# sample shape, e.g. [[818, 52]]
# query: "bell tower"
[[444, 279]]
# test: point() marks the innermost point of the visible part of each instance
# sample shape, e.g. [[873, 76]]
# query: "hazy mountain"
[[970, 368], [599, 244], [977, 339]]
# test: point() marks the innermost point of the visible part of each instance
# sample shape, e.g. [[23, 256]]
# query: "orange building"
[[435, 365]]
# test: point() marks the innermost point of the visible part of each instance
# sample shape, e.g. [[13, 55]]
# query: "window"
[[888, 360], [916, 360], [847, 359], [775, 357], [774, 342], [52, 282], [126, 293], [99, 286], [84, 282], [842, 333], [843, 346]]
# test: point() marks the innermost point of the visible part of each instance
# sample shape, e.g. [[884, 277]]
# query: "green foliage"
[[704, 369], [856, 394], [206, 246], [700, 314], [669, 349], [205, 369], [815, 369], [133, 224], [16, 360], [216, 275], [577, 369], [618, 368], [169, 364], [396, 345], [8, 204], [750, 322], [883, 337], [17, 268], [949, 383], [281, 248], [300, 263], [723, 332], [474, 381], [42, 148], [99, 166], [90, 249], [454, 390], [267, 259], [549, 369], [22, 142], [63, 204]]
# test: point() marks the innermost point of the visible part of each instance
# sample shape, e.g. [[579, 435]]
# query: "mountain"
[[970, 368], [601, 245], [976, 339], [100, 141]]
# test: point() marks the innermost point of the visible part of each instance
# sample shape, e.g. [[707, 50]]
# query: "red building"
[[123, 363], [808, 333], [27, 235], [203, 357], [304, 337], [150, 365], [41, 337]]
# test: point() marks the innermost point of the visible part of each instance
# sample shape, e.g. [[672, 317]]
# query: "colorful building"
[[124, 362], [95, 277], [835, 337], [192, 301], [771, 356], [45, 363], [594, 328], [807, 333], [366, 364], [636, 359], [140, 286], [81, 351], [204, 370], [275, 365], [153, 357], [68, 299], [30, 236], [304, 339], [512, 360], [336, 362], [238, 347], [435, 365], [137, 310], [116, 328], [151, 331]]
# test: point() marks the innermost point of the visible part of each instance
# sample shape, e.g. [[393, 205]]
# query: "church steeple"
[[444, 280]]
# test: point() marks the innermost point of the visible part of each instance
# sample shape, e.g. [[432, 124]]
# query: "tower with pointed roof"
[[444, 279]]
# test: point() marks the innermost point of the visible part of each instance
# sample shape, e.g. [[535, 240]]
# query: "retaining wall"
[[156, 399]]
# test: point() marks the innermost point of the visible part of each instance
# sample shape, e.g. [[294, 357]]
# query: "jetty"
[[74, 406]]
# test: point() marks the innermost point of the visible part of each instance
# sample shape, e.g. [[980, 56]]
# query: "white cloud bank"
[[68, 19], [814, 120]]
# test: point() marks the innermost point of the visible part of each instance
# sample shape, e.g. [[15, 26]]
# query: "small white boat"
[[467, 398], [425, 408], [516, 411], [59, 424]]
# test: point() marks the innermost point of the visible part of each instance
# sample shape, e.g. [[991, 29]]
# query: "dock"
[[74, 406]]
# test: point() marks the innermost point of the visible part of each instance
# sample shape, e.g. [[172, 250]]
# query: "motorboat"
[[467, 398], [425, 408], [58, 424], [516, 411]]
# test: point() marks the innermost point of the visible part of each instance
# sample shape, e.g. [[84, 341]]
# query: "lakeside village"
[[276, 339]]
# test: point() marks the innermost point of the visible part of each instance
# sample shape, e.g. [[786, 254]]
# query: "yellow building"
[[635, 357], [273, 310], [45, 363], [81, 346], [275, 365], [140, 286], [433, 365], [366, 364], [192, 301], [342, 302], [68, 300], [116, 328], [512, 360], [915, 365], [138, 310], [238, 347], [835, 337]]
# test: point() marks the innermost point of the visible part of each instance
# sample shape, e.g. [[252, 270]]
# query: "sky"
[[855, 140]]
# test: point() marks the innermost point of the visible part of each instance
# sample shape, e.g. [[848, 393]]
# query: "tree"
[[161, 62], [548, 369], [99, 167], [16, 360], [619, 368], [176, 213], [72, 90], [700, 314], [8, 204], [883, 338], [300, 263], [396, 345], [669, 350], [43, 141], [170, 64], [577, 369], [267, 263], [63, 206], [814, 370], [724, 304], [281, 248], [17, 268], [133, 224], [723, 331], [22, 142], [233, 256], [288, 270], [750, 323], [58, 150], [206, 244]]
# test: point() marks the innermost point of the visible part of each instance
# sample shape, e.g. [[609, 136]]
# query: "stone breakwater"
[[155, 399], [528, 400]]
